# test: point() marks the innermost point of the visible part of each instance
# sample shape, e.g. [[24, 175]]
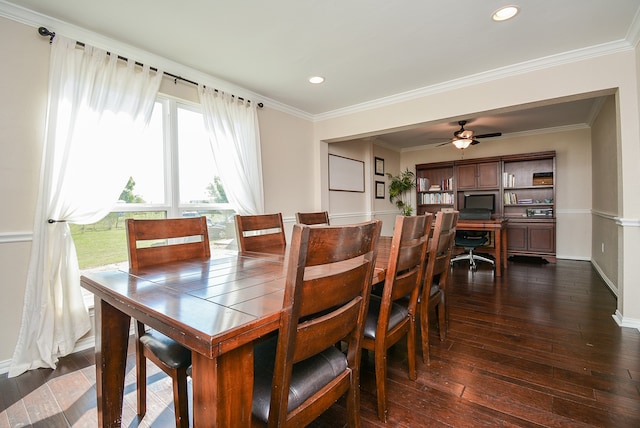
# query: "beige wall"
[[382, 208], [604, 247], [23, 90], [352, 207]]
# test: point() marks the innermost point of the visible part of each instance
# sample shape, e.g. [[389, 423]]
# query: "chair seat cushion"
[[435, 288], [307, 377], [471, 242], [168, 350], [398, 313]]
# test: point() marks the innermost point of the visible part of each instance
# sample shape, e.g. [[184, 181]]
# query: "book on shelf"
[[508, 180], [443, 198], [423, 184], [510, 198], [525, 201], [426, 185]]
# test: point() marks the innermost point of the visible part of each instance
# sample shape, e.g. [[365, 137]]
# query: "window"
[[174, 176]]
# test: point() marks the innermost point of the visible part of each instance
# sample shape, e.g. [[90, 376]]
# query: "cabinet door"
[[542, 238], [478, 176], [466, 176], [517, 237], [488, 175]]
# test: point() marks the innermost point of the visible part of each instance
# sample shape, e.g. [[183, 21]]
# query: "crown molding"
[[484, 77]]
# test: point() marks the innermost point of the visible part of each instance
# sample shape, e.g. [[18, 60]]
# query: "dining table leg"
[[223, 388], [112, 338], [498, 257], [503, 233]]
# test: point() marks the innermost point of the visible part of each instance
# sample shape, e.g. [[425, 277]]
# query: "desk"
[[499, 228], [216, 308]]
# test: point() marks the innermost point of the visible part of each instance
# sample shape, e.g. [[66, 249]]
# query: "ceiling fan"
[[463, 138]]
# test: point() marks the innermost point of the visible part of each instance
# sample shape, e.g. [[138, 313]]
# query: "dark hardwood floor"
[[535, 348]]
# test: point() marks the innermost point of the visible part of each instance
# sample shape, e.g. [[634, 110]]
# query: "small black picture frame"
[[379, 189], [379, 166]]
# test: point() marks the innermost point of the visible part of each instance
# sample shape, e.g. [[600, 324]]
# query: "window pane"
[[105, 242], [146, 185], [221, 225], [197, 171]]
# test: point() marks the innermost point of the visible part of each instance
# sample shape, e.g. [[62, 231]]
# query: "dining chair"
[[436, 275], [154, 242], [263, 232], [300, 373], [391, 315], [311, 218]]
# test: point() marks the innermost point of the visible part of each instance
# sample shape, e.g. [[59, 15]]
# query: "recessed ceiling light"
[[504, 13], [316, 79]]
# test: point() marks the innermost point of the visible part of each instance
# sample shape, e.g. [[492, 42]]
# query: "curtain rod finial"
[[43, 31]]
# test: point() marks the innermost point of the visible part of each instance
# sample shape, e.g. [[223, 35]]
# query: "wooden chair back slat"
[[173, 239], [260, 232], [312, 218]]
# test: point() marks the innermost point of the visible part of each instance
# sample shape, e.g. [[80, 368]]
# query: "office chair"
[[471, 240]]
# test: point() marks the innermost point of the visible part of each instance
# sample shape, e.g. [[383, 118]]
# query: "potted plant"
[[399, 187]]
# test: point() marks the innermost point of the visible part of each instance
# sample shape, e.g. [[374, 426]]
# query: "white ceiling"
[[367, 50]]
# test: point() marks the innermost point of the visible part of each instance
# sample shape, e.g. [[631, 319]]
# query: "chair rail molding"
[[11, 237]]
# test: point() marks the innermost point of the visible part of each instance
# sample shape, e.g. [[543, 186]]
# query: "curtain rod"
[[51, 34]]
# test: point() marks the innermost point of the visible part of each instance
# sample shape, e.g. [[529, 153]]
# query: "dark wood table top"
[[206, 305]]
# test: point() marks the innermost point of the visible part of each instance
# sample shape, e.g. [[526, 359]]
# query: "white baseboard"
[[610, 284], [626, 321]]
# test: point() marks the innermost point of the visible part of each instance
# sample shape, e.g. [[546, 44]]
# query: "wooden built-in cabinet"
[[480, 175], [524, 189], [434, 187]]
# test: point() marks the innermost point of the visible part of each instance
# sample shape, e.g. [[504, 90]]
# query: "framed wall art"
[[379, 189], [379, 166]]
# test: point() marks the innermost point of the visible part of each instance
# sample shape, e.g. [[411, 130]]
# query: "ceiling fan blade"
[[444, 144], [474, 142], [494, 134]]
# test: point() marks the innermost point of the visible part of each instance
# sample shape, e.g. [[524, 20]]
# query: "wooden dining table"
[[217, 308]]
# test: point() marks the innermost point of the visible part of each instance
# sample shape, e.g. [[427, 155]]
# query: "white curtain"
[[96, 105], [232, 126]]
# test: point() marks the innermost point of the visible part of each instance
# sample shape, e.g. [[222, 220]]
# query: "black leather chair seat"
[[169, 351], [398, 313], [307, 377], [462, 240], [434, 289]]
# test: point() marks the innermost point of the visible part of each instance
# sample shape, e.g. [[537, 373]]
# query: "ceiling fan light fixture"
[[504, 13], [462, 143]]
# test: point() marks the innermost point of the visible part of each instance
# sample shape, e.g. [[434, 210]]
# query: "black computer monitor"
[[480, 201]]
